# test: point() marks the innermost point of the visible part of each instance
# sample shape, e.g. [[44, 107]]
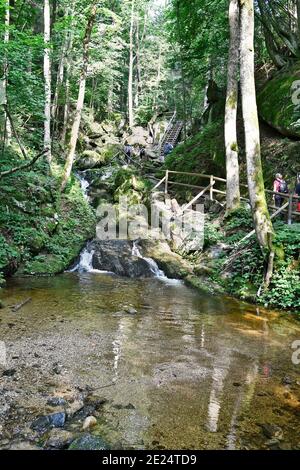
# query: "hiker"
[[168, 148], [297, 192], [128, 152], [280, 186], [142, 154]]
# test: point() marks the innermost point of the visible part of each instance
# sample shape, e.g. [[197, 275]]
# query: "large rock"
[[277, 102], [90, 159], [173, 265], [116, 256], [139, 136]]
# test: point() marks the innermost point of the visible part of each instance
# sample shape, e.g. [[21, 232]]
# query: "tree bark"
[[232, 161], [130, 78], [262, 222], [67, 88], [298, 22], [81, 96], [8, 131], [47, 79]]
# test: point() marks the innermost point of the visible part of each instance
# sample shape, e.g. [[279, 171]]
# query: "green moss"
[[275, 102], [40, 231]]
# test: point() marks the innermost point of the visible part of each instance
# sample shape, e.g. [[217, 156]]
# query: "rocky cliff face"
[[279, 101]]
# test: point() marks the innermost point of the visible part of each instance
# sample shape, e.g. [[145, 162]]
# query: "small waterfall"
[[153, 266], [84, 185], [85, 264]]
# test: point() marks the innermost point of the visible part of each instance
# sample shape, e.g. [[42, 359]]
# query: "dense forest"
[[173, 105]]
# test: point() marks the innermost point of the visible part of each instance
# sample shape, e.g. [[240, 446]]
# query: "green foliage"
[[212, 234], [248, 268], [34, 219], [203, 153], [284, 291]]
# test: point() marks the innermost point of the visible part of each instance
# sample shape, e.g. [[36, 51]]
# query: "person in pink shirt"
[[280, 186]]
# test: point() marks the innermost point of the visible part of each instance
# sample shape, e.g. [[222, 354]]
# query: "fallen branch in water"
[[26, 165], [19, 306]]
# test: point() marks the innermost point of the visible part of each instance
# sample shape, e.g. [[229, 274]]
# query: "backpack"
[[283, 187]]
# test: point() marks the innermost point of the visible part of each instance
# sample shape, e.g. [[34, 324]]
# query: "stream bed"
[[171, 367]]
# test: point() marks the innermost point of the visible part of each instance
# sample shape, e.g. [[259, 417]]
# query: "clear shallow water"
[[198, 371]]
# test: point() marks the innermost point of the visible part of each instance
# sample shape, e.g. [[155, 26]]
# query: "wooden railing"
[[286, 208], [161, 141]]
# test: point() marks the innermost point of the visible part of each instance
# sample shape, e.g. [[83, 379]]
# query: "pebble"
[[287, 380], [89, 423], [131, 310], [272, 431], [56, 401], [8, 373]]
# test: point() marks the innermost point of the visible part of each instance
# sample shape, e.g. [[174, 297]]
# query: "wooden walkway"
[[210, 190]]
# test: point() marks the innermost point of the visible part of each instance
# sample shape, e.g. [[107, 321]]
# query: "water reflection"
[[190, 370]]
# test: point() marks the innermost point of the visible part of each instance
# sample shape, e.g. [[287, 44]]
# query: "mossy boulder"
[[90, 159], [277, 101], [173, 265]]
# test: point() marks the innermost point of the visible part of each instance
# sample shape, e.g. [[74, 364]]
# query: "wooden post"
[[167, 180], [290, 211], [211, 191]]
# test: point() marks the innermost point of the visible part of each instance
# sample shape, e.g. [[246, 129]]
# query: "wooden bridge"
[[211, 191]]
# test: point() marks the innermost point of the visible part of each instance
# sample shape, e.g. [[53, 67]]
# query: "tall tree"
[[232, 162], [261, 217], [81, 96], [8, 131], [47, 78], [131, 60]]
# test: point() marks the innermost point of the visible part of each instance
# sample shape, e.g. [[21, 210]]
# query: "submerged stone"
[[59, 439], [56, 401], [89, 442], [43, 423]]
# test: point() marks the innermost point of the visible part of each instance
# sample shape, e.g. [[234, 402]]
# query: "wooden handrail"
[[213, 179], [159, 183], [281, 209], [198, 196]]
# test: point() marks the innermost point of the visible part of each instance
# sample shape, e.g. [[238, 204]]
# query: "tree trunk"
[[130, 78], [232, 161], [298, 22], [47, 79], [81, 95], [262, 222], [60, 76], [7, 131], [67, 87]]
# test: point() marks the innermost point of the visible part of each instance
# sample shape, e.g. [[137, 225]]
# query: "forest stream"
[[167, 366]]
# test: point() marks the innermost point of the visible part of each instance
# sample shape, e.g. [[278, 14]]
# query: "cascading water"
[[153, 265], [85, 263], [84, 185]]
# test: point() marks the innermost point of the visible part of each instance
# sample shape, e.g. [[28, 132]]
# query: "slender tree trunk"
[[60, 77], [138, 64], [130, 78], [262, 223], [67, 89], [298, 21], [7, 131], [81, 95], [47, 79], [232, 161]]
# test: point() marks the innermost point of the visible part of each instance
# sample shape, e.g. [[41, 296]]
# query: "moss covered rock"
[[277, 101]]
